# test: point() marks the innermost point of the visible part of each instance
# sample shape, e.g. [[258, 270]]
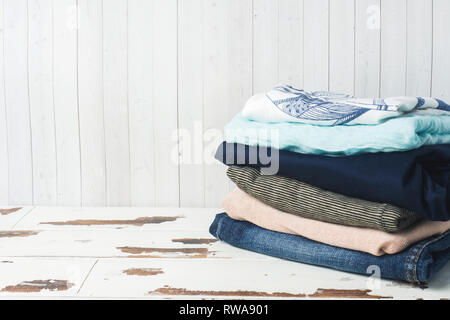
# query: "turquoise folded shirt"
[[398, 134]]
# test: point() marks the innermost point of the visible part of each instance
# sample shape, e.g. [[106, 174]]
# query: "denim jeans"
[[417, 264]]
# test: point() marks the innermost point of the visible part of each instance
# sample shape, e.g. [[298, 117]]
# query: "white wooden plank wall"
[[92, 91]]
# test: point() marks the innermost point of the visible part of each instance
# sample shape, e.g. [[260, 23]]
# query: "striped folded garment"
[[295, 197], [417, 180]]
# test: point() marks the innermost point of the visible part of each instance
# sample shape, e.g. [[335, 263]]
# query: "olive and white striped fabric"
[[295, 197]]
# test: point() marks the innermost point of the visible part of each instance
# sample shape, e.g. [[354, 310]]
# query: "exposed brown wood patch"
[[135, 222], [346, 293], [237, 293], [17, 233], [185, 252], [4, 212], [320, 293], [39, 285], [143, 271], [194, 241]]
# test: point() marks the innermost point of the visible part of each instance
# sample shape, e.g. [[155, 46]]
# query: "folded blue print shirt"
[[417, 264], [397, 134], [287, 104]]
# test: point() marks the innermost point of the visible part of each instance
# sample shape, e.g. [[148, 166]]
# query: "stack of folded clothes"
[[335, 181]]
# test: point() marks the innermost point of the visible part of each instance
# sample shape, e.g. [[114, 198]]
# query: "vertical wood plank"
[[190, 102], [17, 103], [316, 26], [367, 48], [120, 147], [227, 50], [3, 123], [265, 45], [40, 65], [239, 36], [441, 50], [140, 102], [90, 87], [115, 92], [290, 46], [240, 57], [419, 40], [216, 84], [393, 48], [65, 95], [165, 102], [342, 46]]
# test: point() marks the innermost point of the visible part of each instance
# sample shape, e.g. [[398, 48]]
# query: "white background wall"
[[91, 91]]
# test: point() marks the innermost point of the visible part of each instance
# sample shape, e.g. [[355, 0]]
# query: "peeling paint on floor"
[[94, 222], [195, 241], [184, 252], [346, 293], [5, 212], [39, 285], [320, 293], [18, 233], [143, 271], [237, 293]]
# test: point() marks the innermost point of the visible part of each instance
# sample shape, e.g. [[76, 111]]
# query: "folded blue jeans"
[[417, 264]]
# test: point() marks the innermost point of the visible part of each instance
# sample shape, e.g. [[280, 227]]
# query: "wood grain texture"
[[342, 46], [123, 102], [367, 48], [20, 163], [65, 100], [441, 50], [91, 103], [290, 42], [191, 92], [393, 48], [42, 115], [419, 47], [165, 99], [316, 45], [4, 166], [47, 277], [265, 45], [115, 93], [111, 253], [10, 216], [140, 102]]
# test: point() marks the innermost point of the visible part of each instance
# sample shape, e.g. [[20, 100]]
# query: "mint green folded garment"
[[398, 134]]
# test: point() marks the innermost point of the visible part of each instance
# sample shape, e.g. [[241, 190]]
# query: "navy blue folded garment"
[[417, 264], [418, 180]]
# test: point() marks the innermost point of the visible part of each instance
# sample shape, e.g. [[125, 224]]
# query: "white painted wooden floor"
[[160, 253]]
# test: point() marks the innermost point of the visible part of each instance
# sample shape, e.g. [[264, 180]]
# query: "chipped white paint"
[[190, 219], [89, 261], [9, 216], [42, 277]]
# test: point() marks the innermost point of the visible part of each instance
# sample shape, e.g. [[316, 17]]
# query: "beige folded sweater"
[[241, 206]]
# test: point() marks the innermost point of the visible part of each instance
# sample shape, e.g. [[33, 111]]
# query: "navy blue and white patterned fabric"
[[287, 104]]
